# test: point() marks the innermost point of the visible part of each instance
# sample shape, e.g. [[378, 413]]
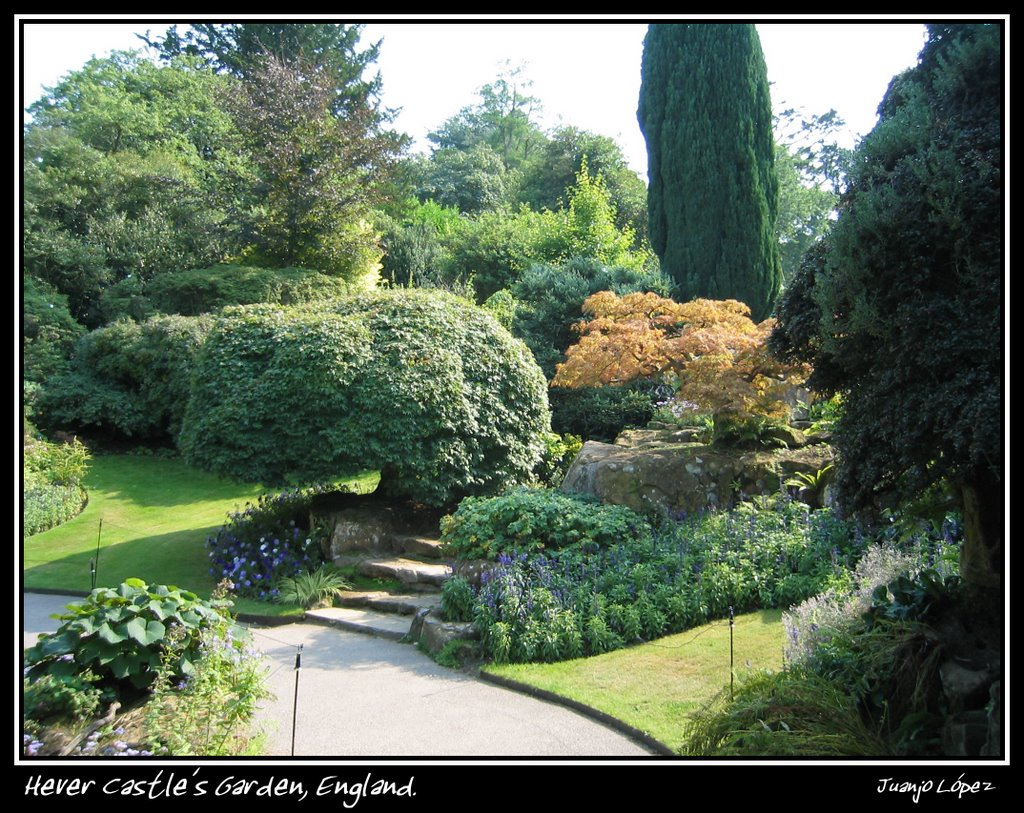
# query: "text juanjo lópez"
[[960, 786]]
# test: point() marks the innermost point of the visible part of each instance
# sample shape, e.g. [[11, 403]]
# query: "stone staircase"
[[413, 560]]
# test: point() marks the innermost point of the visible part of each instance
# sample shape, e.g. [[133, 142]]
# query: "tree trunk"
[[981, 560]]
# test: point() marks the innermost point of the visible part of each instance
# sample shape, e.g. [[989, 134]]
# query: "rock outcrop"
[[664, 469]]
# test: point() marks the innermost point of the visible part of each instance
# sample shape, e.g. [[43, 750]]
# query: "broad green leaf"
[[155, 632], [111, 636], [59, 644], [136, 630]]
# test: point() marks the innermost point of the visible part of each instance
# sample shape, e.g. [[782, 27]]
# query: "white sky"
[[586, 74]]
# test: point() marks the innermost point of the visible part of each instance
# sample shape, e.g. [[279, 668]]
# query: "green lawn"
[[156, 514], [655, 686]]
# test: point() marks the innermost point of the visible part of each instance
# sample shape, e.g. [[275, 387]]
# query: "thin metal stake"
[[295, 702], [94, 564], [732, 671]]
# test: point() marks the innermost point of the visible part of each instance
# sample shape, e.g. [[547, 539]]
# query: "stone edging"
[[612, 722]]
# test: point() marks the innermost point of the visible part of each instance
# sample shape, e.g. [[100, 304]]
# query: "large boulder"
[[650, 469]]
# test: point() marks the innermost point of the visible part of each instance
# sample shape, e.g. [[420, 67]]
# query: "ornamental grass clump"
[[266, 542], [791, 713], [314, 588]]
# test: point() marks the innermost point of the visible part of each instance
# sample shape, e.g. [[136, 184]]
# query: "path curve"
[[360, 696]]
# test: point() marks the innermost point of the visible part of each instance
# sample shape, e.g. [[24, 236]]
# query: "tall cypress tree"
[[705, 111]]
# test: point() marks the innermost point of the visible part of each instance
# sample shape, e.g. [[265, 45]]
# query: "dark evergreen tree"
[[900, 310], [706, 114]]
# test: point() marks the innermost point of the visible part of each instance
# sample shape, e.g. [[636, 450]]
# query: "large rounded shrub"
[[421, 385]]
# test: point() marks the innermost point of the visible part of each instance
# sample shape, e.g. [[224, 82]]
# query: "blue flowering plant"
[[581, 600], [267, 542]]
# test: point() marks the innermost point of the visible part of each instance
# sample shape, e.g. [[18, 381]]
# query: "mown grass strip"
[[655, 687]]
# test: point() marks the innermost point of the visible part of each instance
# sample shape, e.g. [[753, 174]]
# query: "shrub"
[[46, 506], [119, 634], [57, 463], [51, 483], [559, 453], [601, 413], [418, 384], [128, 378], [49, 331], [206, 290], [528, 520], [265, 543]]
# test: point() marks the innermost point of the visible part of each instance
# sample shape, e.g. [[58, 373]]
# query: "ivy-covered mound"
[[421, 385]]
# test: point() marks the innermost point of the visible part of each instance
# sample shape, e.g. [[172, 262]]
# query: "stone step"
[[369, 622], [413, 573], [384, 602], [422, 547], [416, 575]]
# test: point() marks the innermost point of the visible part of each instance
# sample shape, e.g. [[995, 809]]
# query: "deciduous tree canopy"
[[712, 348]]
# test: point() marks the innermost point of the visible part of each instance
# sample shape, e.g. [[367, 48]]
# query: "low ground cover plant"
[[119, 634], [550, 604], [173, 673], [51, 482]]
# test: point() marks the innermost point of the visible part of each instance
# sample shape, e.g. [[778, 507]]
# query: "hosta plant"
[[119, 634]]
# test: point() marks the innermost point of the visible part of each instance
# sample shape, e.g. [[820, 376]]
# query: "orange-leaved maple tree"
[[712, 348]]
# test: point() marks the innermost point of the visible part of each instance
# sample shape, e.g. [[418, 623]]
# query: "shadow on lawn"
[[177, 558]]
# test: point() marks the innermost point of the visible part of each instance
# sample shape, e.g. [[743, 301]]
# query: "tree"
[[316, 174], [49, 331], [502, 120], [549, 301], [900, 309], [556, 166], [711, 348], [421, 385], [472, 180], [809, 165], [705, 112], [127, 170], [239, 49], [127, 379]]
